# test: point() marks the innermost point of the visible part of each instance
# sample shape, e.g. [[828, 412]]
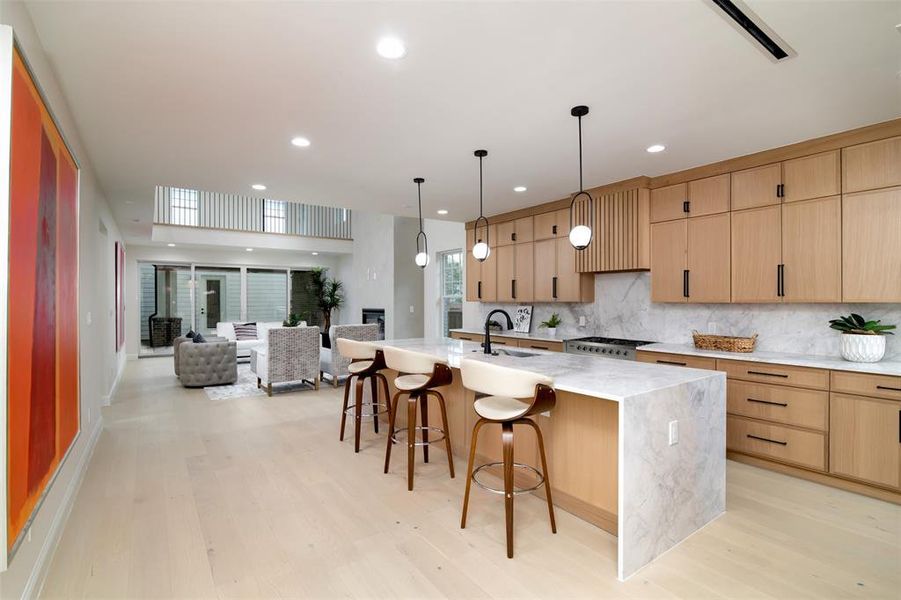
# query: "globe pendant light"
[[580, 235], [422, 242], [481, 249]]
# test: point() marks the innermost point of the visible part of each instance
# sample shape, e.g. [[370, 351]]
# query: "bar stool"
[[419, 375], [366, 363], [498, 390]]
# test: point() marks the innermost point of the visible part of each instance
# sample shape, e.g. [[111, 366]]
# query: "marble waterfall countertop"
[[835, 363], [606, 378], [509, 333]]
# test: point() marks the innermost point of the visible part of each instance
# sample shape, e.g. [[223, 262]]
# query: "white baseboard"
[[45, 556], [131, 356], [106, 400]]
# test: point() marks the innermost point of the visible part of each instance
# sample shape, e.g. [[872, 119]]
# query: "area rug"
[[246, 386]]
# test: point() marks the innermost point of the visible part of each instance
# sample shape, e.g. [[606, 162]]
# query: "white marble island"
[[615, 415]]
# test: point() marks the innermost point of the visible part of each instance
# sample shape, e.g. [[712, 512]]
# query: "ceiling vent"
[[752, 27]]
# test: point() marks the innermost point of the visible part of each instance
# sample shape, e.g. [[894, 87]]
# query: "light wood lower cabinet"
[[788, 444], [812, 250], [865, 439], [780, 404], [760, 372], [677, 360], [528, 344], [871, 246]]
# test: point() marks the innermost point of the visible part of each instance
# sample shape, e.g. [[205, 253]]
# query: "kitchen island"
[[637, 449]]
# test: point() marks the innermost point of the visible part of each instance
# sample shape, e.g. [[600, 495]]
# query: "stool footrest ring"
[[364, 414], [516, 491], [431, 441]]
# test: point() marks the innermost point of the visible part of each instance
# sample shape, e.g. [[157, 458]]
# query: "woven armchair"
[[291, 354], [331, 362]]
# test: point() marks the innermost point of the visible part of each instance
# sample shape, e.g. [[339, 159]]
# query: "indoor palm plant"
[[862, 340], [551, 324], [329, 294]]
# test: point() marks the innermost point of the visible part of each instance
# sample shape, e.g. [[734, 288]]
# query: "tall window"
[[274, 216], [451, 290], [183, 206], [267, 295]]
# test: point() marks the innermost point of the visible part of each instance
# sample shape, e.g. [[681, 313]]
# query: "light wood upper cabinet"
[[864, 440], [872, 166], [571, 285], [756, 187], [810, 177], [524, 288], [524, 230], [669, 241], [871, 246], [709, 196], [756, 254], [812, 250], [708, 258], [506, 272], [506, 233], [481, 277], [668, 203], [545, 226], [545, 253]]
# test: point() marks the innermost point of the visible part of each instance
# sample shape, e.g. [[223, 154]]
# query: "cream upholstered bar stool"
[[499, 399], [419, 375], [366, 362]]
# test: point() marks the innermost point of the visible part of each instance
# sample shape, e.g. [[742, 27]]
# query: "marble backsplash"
[[623, 308]]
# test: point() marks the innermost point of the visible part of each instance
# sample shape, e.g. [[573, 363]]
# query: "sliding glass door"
[[218, 297], [165, 305]]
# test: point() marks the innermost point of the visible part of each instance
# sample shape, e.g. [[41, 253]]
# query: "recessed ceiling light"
[[656, 148], [171, 245], [258, 187], [300, 142], [391, 47], [520, 188], [442, 211], [249, 249], [315, 254]]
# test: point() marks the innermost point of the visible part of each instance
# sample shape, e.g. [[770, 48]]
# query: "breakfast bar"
[[636, 449]]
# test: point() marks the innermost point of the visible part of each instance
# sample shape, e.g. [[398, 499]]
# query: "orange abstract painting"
[[43, 384]]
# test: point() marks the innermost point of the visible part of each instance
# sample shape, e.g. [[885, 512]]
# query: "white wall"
[[209, 257], [408, 278], [99, 362], [443, 236]]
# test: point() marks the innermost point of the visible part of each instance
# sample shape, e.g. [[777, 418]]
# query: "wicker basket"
[[724, 343]]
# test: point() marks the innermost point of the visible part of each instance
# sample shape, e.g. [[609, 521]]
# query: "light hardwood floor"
[[187, 497]]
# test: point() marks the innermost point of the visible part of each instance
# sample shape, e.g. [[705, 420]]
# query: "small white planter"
[[551, 331], [863, 348]]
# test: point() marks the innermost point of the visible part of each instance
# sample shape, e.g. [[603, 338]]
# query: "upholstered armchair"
[[331, 362], [207, 363], [291, 354]]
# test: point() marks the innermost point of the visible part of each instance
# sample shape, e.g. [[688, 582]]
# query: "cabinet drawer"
[[541, 345], [504, 341], [779, 374], [863, 384], [791, 406], [469, 337], [678, 360], [782, 443]]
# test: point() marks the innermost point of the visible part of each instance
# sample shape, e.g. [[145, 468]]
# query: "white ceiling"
[[208, 94]]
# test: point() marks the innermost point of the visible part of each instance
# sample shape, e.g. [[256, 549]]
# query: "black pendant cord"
[[421, 235], [481, 154], [579, 112], [581, 186], [419, 181]]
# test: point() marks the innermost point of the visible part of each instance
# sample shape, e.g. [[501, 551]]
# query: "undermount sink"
[[515, 353]]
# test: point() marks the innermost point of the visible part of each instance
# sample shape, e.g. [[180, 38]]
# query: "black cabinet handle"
[[783, 375], [763, 439], [767, 402], [685, 283], [554, 230], [670, 362], [554, 287], [885, 387], [479, 293], [686, 206], [513, 289], [513, 236], [780, 190], [780, 280]]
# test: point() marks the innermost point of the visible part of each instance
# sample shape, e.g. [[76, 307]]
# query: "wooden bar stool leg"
[[358, 409], [373, 388], [392, 420], [507, 441], [344, 409], [472, 458], [424, 416], [544, 472], [411, 438], [447, 440]]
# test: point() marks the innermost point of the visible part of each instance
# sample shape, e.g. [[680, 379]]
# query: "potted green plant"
[[551, 324], [329, 294], [862, 340], [293, 320]]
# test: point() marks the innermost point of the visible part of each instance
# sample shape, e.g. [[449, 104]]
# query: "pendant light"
[[422, 253], [481, 249], [580, 235]]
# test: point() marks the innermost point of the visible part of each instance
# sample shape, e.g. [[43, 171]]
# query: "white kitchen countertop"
[[509, 333], [605, 378], [835, 363]]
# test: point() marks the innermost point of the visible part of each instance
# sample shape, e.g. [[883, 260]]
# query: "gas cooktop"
[[604, 346]]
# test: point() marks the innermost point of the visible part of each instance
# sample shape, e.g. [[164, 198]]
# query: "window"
[[267, 295], [274, 216], [183, 206], [451, 290]]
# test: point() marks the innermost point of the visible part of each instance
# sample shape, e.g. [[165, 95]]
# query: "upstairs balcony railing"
[[196, 208]]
